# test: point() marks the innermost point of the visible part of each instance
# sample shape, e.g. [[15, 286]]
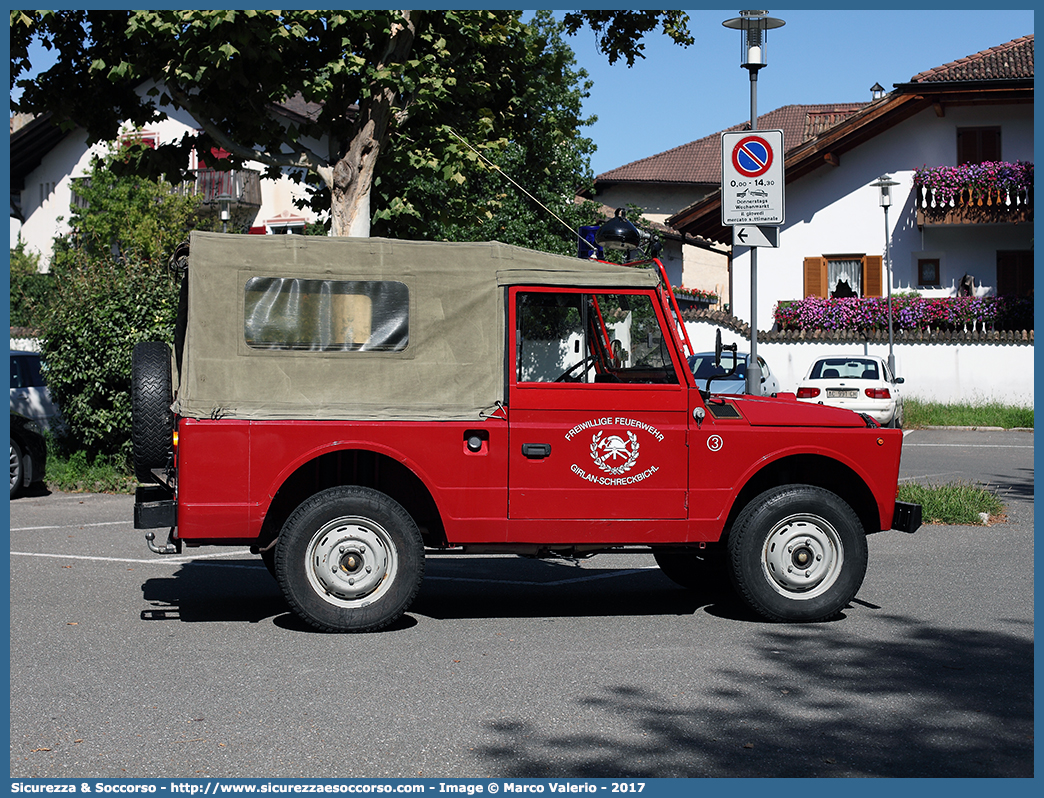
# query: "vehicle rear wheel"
[[349, 559], [152, 421], [797, 553], [695, 569], [17, 469]]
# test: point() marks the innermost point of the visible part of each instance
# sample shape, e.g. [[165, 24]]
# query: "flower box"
[[694, 298], [994, 191], [867, 314]]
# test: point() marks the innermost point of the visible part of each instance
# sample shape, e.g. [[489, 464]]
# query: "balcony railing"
[[971, 207], [241, 186], [987, 193]]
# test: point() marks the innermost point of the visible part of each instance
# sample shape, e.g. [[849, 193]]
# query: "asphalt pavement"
[[129, 664]]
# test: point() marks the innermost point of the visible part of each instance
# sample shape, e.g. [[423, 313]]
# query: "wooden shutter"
[[873, 275], [815, 277], [978, 144]]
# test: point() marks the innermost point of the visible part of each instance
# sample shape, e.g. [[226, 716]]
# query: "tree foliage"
[[30, 290], [394, 84], [376, 81], [621, 33], [525, 193]]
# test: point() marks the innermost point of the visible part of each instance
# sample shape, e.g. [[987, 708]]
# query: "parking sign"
[[752, 178]]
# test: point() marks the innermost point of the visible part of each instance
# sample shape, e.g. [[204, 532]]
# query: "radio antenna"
[[496, 168]]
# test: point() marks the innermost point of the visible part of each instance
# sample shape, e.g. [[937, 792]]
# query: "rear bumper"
[[906, 517]]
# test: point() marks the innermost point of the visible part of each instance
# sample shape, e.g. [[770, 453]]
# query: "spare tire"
[[152, 421]]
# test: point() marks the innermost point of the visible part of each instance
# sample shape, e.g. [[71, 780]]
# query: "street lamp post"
[[754, 26], [885, 183]]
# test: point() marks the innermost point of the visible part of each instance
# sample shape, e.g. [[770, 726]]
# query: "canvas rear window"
[[288, 313]]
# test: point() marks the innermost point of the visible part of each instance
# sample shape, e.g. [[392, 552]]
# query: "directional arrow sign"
[[755, 236]]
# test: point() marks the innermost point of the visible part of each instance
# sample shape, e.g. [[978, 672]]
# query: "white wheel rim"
[[802, 556], [351, 561]]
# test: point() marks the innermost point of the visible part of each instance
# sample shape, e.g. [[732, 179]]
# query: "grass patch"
[[993, 414], [953, 503], [77, 474]]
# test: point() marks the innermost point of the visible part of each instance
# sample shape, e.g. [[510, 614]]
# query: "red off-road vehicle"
[[343, 405]]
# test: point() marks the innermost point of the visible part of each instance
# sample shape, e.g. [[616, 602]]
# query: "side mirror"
[[898, 381]]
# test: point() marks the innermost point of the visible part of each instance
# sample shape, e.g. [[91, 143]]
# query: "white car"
[[861, 383], [703, 368]]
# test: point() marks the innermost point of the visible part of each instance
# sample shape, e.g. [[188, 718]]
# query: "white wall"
[[948, 373], [834, 210]]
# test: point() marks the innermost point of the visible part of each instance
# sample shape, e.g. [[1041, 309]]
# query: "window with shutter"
[[843, 275]]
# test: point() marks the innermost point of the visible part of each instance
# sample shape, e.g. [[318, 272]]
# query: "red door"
[[598, 414]]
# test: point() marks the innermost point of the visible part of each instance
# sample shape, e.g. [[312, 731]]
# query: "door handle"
[[536, 451]]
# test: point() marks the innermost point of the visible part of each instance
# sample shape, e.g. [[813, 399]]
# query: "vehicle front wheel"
[[350, 559], [797, 553]]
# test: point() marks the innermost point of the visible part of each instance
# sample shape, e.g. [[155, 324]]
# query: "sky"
[[677, 95]]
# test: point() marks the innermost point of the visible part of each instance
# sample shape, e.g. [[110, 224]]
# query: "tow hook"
[[173, 546]]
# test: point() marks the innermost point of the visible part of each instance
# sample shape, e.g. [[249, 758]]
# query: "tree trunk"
[[352, 181], [352, 178]]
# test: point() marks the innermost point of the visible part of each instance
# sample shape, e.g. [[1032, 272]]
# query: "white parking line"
[[202, 560], [68, 526], [965, 445], [157, 561]]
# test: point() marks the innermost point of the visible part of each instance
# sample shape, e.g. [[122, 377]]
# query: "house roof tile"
[[1007, 61], [700, 161]]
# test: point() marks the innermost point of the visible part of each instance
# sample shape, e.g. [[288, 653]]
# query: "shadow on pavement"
[[809, 701]]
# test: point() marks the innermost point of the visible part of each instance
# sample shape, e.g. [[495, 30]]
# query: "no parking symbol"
[[752, 156]]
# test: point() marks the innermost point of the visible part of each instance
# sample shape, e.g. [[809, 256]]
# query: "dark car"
[[28, 454], [30, 396], [703, 368]]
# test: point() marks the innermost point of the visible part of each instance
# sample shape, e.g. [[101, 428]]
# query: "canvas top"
[[358, 328]]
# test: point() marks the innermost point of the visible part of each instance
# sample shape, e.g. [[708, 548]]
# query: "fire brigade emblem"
[[613, 454]]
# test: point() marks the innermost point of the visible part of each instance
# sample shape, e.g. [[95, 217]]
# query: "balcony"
[[241, 186], [987, 193]]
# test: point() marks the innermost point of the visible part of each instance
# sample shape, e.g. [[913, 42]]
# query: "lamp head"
[[885, 183], [754, 26], [618, 233]]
